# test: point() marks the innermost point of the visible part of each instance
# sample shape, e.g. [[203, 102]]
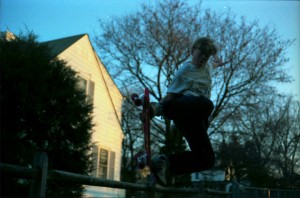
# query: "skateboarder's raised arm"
[[217, 62]]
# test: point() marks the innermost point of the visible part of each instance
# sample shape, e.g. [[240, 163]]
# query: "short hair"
[[205, 45]]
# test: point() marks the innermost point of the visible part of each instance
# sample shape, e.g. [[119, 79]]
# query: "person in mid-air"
[[188, 104]]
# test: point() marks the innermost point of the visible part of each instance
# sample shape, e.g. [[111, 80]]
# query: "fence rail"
[[253, 192], [40, 174]]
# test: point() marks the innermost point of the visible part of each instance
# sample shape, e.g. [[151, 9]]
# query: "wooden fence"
[[39, 173]]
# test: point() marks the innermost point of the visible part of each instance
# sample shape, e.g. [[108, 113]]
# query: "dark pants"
[[190, 115]]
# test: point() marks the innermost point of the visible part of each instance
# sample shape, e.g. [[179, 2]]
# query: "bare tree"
[[133, 137], [148, 47], [287, 136], [256, 57], [145, 49], [271, 127]]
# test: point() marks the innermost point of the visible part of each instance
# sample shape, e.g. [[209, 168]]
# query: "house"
[[209, 175], [7, 35], [106, 98], [213, 179]]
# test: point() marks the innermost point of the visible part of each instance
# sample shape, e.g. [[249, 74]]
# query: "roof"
[[59, 45]]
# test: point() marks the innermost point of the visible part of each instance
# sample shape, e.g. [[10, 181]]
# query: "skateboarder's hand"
[[217, 62]]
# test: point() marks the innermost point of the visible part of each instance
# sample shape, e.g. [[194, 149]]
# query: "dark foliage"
[[243, 163], [42, 110]]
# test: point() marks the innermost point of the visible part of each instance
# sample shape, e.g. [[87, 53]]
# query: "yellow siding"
[[107, 98]]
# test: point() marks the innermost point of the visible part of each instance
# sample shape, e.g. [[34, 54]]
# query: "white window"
[[197, 176], [88, 87], [104, 163]]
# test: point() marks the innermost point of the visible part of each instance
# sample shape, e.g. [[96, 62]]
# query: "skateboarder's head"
[[205, 45], [202, 49]]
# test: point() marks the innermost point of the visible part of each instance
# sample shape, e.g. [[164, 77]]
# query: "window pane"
[[82, 84], [102, 173], [103, 157], [103, 162]]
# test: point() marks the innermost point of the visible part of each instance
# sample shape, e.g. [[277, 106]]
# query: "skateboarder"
[[188, 104]]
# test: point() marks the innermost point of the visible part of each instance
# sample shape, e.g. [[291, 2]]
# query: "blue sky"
[[51, 19]]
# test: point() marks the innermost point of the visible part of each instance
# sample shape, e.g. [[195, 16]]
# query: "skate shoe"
[[160, 168]]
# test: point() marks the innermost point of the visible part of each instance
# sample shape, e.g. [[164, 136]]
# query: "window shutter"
[[91, 92], [95, 160], [111, 170], [82, 84]]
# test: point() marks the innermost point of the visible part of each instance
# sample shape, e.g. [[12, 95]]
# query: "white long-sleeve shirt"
[[192, 80]]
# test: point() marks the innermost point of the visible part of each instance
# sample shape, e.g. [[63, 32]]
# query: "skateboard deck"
[[144, 158]]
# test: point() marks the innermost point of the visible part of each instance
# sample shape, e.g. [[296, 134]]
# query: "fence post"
[[151, 185], [235, 190], [38, 185]]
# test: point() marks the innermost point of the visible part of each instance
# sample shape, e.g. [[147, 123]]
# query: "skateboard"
[[143, 157]]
